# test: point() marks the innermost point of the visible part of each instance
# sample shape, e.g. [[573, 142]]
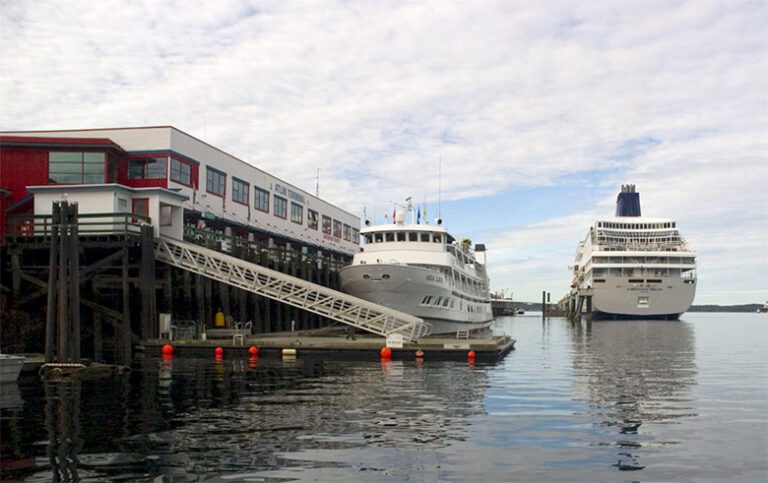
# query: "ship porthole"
[[385, 276], [366, 276]]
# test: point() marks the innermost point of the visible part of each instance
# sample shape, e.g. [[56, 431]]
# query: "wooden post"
[[74, 280], [589, 308], [544, 303], [147, 283], [50, 310], [98, 338], [200, 300], [125, 336], [63, 313]]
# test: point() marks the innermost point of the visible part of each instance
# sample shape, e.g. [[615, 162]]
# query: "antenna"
[[439, 185], [317, 184]]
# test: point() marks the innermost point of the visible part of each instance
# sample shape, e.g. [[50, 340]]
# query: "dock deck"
[[363, 347]]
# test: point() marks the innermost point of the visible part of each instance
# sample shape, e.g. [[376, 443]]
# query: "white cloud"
[[508, 94]]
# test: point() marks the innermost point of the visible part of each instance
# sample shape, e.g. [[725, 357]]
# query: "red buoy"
[[386, 353], [254, 351], [219, 351], [471, 355], [167, 349], [419, 354]]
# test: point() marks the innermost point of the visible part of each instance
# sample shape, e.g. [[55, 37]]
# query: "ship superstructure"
[[422, 270], [636, 267]]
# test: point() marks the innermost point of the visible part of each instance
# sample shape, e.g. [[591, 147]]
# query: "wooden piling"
[[53, 269]]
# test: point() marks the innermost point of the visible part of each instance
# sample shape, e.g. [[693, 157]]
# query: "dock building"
[[132, 233]]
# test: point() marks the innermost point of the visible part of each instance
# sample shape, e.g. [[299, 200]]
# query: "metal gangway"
[[294, 291]]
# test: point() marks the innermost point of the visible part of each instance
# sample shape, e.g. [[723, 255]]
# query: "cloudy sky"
[[522, 117]]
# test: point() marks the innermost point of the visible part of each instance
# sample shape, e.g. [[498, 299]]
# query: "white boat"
[[422, 270], [634, 266], [10, 367]]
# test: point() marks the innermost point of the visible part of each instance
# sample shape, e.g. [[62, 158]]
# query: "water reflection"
[[635, 374], [189, 418]]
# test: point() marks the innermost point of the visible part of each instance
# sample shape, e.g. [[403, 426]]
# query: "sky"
[[516, 121]]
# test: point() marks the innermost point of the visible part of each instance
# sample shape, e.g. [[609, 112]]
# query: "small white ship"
[[422, 270], [636, 267]]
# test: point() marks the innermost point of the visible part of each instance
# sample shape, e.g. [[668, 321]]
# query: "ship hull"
[[617, 298], [404, 288]]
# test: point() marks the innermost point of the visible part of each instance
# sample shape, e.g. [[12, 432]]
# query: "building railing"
[[257, 252], [27, 226]]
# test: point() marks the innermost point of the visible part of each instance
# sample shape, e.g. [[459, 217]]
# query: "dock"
[[363, 347]]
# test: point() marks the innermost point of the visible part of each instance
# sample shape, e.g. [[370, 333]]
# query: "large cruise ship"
[[636, 267], [422, 270]]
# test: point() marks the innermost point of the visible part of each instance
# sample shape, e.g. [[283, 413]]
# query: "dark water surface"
[[611, 401]]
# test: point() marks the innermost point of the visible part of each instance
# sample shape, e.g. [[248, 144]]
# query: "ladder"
[[293, 291]]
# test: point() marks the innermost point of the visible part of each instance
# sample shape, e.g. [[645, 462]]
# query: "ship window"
[[427, 300], [599, 280], [446, 302], [400, 236], [389, 236], [413, 236], [425, 237], [385, 276], [378, 237], [438, 301], [436, 238], [368, 238], [453, 303]]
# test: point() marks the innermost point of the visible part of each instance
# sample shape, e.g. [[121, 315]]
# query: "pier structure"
[[100, 237], [576, 303]]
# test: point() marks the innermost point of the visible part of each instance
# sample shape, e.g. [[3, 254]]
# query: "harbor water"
[[679, 400]]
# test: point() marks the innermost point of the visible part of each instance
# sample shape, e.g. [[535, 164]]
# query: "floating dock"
[[363, 347]]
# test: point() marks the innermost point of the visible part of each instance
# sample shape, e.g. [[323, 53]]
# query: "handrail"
[[29, 226], [290, 290]]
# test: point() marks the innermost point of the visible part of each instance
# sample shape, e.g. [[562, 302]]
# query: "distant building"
[[218, 191]]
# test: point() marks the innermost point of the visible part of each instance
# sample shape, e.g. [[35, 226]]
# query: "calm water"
[[614, 401]]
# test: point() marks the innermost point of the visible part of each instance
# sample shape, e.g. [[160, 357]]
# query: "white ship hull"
[[405, 288], [616, 297]]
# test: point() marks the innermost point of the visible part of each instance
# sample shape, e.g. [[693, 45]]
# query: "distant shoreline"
[[694, 308]]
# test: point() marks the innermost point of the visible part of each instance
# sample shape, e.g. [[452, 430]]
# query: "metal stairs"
[[294, 291]]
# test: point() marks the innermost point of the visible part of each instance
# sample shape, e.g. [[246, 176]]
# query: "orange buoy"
[[167, 349], [419, 354], [254, 351], [219, 351], [386, 353], [471, 355]]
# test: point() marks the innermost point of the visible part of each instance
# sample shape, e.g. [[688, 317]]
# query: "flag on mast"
[[418, 215]]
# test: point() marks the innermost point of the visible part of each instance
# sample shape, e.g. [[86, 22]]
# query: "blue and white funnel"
[[628, 201]]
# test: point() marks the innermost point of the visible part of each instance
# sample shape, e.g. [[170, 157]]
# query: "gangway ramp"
[[294, 291]]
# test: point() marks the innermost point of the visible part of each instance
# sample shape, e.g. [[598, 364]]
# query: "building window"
[[240, 191], [312, 219], [326, 225], [181, 172], [281, 207], [216, 182], [347, 232], [297, 213], [73, 167], [261, 199], [337, 228], [147, 168]]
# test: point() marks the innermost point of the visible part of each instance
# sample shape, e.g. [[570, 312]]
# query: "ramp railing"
[[293, 291]]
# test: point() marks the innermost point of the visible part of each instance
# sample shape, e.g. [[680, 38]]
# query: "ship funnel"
[[628, 201]]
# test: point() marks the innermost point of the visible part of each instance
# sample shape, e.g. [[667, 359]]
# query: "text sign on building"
[[395, 341]]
